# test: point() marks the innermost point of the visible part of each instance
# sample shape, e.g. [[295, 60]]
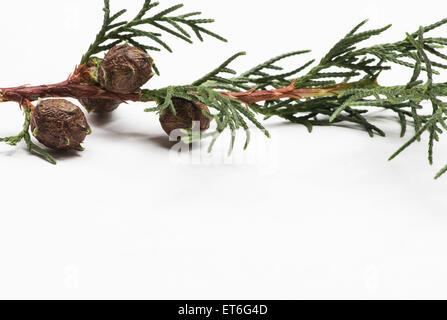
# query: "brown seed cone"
[[187, 112], [59, 124], [125, 69], [90, 76], [99, 105]]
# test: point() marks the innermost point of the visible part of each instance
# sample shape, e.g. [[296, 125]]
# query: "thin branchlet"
[[24, 135], [140, 31]]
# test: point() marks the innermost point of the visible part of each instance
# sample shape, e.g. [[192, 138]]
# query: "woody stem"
[[70, 89], [290, 92], [65, 89]]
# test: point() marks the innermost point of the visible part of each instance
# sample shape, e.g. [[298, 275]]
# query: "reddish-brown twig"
[[75, 88]]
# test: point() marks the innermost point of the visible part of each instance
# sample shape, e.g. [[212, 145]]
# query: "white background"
[[320, 215]]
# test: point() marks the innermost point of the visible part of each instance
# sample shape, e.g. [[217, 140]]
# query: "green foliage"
[[25, 135], [114, 32], [353, 70], [416, 52]]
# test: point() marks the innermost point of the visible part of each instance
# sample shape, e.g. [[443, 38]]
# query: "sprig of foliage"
[[114, 32], [353, 73], [408, 101], [259, 76], [25, 135], [230, 111]]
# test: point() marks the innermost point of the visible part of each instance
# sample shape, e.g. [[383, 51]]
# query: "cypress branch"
[[341, 87]]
